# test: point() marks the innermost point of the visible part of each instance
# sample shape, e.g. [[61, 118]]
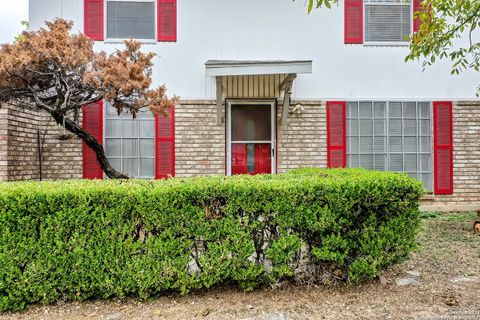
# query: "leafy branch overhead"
[[54, 71], [448, 31]]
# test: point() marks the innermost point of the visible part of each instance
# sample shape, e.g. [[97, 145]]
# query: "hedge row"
[[76, 240]]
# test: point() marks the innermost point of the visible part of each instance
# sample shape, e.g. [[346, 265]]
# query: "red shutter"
[[93, 19], [165, 145], [417, 22], [443, 147], [353, 21], [92, 122], [167, 20], [336, 134]]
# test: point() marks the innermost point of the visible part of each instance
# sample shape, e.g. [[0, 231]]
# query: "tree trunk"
[[92, 143]]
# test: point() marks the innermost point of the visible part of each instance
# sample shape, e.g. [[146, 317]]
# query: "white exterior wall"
[[280, 30]]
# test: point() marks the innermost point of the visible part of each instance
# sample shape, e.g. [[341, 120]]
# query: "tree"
[[448, 32], [444, 23], [54, 71]]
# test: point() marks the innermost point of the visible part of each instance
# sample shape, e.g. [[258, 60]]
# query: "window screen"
[[130, 19], [393, 136], [388, 20], [130, 143]]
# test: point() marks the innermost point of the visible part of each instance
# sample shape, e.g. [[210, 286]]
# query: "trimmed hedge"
[[76, 240]]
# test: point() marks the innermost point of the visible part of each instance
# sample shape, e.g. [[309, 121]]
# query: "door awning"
[[215, 68], [255, 79]]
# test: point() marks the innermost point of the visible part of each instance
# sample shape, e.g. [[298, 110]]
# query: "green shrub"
[[75, 240]]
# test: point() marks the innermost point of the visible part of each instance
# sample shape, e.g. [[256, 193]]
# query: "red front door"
[[251, 143]]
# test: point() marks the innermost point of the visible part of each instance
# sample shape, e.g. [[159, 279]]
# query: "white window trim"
[[273, 141], [386, 43], [120, 40]]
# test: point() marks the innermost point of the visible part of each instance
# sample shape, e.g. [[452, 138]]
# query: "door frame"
[[273, 141]]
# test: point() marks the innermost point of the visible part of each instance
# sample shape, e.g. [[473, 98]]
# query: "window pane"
[[352, 144], [410, 127], [425, 144], [425, 162], [387, 23], [130, 19], [116, 164], [365, 109], [251, 123], [130, 167], [424, 110], [112, 112], [427, 181], [130, 128], [395, 144], [352, 109], [410, 144], [410, 110], [380, 127], [147, 129], [352, 161], [395, 128], [129, 148], [147, 168], [366, 144], [396, 162], [366, 161], [147, 148], [395, 110], [424, 127], [410, 162], [113, 128], [352, 127], [145, 114], [113, 147], [366, 127], [379, 109], [380, 145], [380, 162]]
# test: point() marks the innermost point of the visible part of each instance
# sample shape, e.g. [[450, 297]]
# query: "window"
[[388, 20], [130, 143], [131, 19], [393, 136]]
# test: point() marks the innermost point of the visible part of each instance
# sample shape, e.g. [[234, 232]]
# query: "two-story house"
[[265, 88]]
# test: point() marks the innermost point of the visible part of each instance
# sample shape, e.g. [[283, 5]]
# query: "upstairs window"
[[388, 20], [377, 22], [144, 20], [131, 19]]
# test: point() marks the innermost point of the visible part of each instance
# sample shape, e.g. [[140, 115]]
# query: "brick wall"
[[199, 142], [303, 142], [62, 159], [3, 143], [19, 147]]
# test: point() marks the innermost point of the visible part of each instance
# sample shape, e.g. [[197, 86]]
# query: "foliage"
[[77, 240], [54, 71], [448, 32]]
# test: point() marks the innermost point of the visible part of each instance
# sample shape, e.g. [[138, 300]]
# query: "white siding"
[[281, 30]]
